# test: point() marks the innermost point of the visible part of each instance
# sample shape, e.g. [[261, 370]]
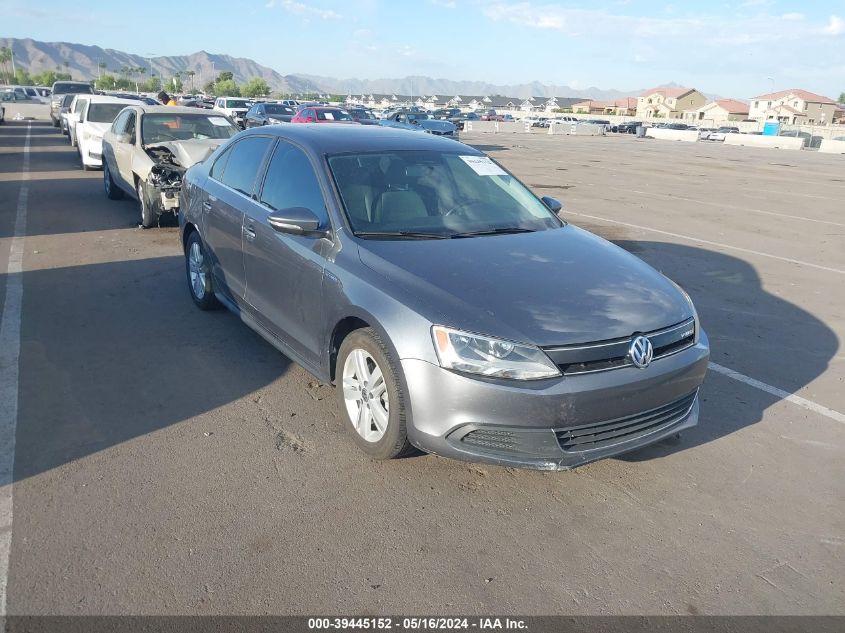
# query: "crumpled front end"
[[164, 181]]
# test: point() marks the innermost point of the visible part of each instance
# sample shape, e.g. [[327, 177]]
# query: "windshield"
[[236, 103], [104, 112], [362, 114], [417, 116], [160, 128], [333, 115], [79, 88], [271, 108], [434, 194]]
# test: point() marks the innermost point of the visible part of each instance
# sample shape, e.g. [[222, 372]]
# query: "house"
[[499, 102], [720, 112], [668, 103], [794, 106], [627, 106]]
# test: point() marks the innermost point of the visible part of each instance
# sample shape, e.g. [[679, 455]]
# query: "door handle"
[[206, 205], [249, 232]]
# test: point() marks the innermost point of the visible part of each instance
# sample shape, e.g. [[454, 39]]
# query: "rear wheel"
[[199, 273], [113, 192], [149, 217], [371, 395]]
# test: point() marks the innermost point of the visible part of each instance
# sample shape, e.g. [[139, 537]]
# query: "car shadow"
[[115, 351], [745, 323]]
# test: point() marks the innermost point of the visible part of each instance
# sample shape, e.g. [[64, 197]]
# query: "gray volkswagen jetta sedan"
[[452, 308]]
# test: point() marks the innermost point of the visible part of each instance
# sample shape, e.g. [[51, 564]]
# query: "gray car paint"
[[552, 287]]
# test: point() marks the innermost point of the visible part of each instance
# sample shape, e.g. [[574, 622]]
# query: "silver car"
[[453, 309], [147, 150]]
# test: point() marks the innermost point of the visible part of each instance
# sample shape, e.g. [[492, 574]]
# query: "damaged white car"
[[148, 149]]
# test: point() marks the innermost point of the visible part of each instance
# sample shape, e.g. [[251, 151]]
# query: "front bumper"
[[553, 424]]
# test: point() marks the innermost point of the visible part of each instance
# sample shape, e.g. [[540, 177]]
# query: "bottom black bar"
[[424, 624]]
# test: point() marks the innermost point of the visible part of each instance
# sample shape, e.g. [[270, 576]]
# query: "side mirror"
[[554, 204], [296, 221], [309, 119]]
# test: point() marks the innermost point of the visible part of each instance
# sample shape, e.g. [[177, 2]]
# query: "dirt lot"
[[169, 461]]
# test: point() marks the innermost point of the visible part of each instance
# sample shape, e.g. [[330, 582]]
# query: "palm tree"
[[191, 74], [67, 67], [5, 58]]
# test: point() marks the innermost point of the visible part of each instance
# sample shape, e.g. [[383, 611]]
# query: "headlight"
[[694, 311], [487, 356]]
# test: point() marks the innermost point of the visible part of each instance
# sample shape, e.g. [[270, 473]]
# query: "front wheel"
[[149, 217], [370, 393], [198, 269]]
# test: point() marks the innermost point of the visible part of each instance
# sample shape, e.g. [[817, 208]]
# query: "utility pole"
[[12, 51]]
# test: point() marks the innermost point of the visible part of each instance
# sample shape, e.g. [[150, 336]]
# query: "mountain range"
[[83, 62]]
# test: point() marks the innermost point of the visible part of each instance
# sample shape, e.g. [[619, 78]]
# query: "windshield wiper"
[[403, 234], [497, 231]]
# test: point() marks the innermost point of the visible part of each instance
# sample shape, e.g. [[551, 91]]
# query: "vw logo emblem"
[[641, 352]]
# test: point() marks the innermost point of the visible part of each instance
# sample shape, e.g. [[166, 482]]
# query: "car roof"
[[339, 139], [164, 109], [110, 99]]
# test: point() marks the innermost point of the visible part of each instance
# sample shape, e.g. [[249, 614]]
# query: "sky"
[[734, 49]]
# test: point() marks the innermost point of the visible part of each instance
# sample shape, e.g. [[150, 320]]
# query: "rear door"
[[230, 189], [284, 272]]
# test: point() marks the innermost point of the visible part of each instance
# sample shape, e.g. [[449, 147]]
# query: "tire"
[[113, 192], [198, 270], [149, 217], [55, 122], [387, 404]]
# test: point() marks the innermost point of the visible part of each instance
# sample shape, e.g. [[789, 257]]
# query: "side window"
[[80, 103], [243, 164], [119, 124], [219, 165], [291, 182], [130, 126]]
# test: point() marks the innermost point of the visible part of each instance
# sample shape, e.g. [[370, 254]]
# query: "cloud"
[[836, 26], [304, 10]]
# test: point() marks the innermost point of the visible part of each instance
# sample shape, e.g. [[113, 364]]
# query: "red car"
[[322, 114]]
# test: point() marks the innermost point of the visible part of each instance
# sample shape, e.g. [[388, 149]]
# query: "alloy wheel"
[[196, 270], [365, 395]]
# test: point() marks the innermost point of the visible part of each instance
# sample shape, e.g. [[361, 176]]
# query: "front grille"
[[598, 435], [613, 354]]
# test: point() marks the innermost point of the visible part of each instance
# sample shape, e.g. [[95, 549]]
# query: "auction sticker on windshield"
[[219, 120], [483, 166]]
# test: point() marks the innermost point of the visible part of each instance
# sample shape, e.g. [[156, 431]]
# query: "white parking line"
[[780, 393], [10, 346], [717, 244], [722, 205]]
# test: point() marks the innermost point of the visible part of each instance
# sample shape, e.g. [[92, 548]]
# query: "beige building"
[[626, 106], [794, 106], [718, 113], [668, 103]]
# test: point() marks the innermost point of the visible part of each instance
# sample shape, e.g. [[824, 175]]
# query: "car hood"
[[190, 152], [554, 287], [438, 126]]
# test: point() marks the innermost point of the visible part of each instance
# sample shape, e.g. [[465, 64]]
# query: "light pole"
[[773, 83]]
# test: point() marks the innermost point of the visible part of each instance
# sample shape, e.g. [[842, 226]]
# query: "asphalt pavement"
[[169, 461]]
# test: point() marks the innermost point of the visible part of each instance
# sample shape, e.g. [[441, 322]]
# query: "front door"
[[230, 188], [123, 152], [284, 272]]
